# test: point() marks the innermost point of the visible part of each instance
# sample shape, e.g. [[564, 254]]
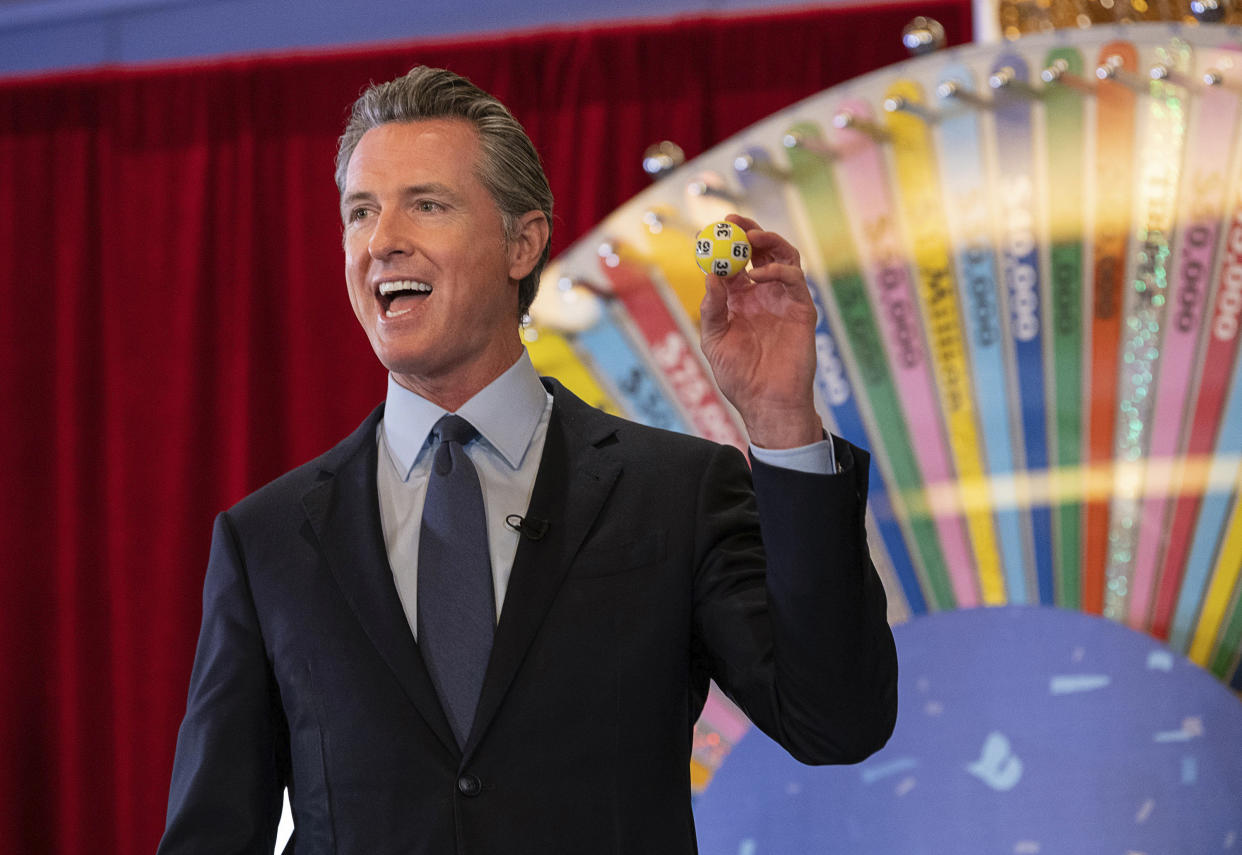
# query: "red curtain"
[[176, 332]]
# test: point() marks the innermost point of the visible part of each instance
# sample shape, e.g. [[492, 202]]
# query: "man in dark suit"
[[623, 567]]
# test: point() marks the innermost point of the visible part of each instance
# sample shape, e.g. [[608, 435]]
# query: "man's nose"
[[391, 236]]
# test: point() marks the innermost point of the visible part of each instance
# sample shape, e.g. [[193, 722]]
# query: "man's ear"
[[526, 245]]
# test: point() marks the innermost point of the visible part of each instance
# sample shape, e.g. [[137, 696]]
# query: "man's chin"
[[400, 357], [404, 366]]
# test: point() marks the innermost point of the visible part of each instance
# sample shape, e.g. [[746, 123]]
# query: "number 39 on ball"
[[722, 248]]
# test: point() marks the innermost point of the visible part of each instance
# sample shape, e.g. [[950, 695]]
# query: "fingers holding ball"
[[721, 249]]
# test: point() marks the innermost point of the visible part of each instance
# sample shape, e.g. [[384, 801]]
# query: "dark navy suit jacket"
[[651, 578]]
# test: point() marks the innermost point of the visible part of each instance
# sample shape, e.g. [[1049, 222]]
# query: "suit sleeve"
[[226, 784], [789, 608]]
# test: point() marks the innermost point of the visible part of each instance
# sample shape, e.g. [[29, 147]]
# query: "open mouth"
[[401, 295]]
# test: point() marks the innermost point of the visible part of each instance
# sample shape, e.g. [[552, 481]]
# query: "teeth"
[[387, 288]]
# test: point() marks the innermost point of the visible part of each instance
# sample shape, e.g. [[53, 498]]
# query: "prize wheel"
[[1027, 260]]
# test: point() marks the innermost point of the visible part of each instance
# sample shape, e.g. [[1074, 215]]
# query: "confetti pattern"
[[1101, 742]]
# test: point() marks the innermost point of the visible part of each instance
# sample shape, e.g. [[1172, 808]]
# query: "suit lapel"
[[575, 477], [343, 509]]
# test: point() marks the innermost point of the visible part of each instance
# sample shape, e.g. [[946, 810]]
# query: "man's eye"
[[358, 214], [428, 206]]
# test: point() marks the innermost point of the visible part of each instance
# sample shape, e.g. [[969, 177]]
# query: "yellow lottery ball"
[[722, 248]]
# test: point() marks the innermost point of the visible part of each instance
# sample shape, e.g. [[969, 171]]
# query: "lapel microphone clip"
[[527, 526]]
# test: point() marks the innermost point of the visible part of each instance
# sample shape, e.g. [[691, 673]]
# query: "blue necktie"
[[456, 604]]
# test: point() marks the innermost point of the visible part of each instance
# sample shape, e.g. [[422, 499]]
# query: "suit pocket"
[[599, 560]]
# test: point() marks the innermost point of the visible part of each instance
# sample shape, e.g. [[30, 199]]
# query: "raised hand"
[[758, 334]]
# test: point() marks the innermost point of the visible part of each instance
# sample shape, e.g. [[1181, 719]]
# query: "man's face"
[[431, 277]]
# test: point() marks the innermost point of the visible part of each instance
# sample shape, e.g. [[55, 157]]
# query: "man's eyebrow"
[[357, 196], [431, 188]]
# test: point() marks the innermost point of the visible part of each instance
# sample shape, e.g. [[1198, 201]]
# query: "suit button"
[[469, 785]]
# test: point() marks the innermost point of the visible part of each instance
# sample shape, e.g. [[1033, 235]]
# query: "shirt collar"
[[505, 413]]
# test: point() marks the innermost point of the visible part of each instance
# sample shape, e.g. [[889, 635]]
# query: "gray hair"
[[509, 167]]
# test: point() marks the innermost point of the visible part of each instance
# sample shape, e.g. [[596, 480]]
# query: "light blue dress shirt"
[[511, 415]]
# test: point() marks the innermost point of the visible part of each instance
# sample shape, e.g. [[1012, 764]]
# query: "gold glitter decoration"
[[1021, 17]]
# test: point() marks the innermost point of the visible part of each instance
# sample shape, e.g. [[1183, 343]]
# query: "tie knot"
[[453, 428]]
